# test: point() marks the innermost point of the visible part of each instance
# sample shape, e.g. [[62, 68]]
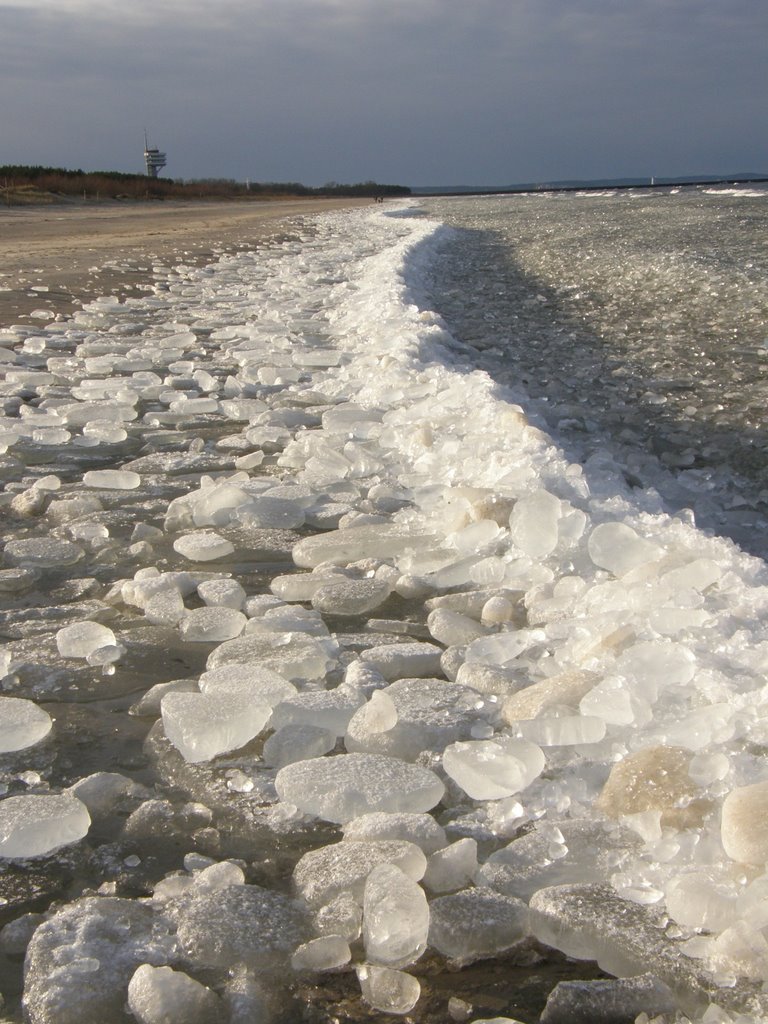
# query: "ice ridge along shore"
[[467, 695]]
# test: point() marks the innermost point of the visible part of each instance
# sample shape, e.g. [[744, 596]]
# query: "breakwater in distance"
[[610, 184]]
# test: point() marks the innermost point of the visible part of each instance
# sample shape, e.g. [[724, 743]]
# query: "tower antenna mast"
[[154, 160]]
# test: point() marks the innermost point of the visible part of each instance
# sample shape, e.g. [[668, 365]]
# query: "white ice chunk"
[[697, 899], [351, 597], [485, 678], [16, 935], [287, 619], [262, 685], [493, 769], [619, 549], [102, 790], [106, 656], [80, 413], [83, 638], [212, 624], [363, 677], [242, 924], [62, 511], [387, 990], [341, 916], [105, 431], [112, 479], [297, 742], [42, 553], [22, 724], [322, 875], [295, 656], [165, 608], [31, 826], [475, 924], [149, 583], [161, 995], [591, 922], [740, 951], [149, 703], [250, 461], [395, 917], [563, 731], [81, 959], [579, 850], [502, 648], [614, 701], [377, 716], [448, 627], [666, 620], [413, 588], [655, 664], [226, 593], [218, 504], [713, 723], [344, 787], [193, 406], [257, 605], [216, 876], [94, 534], [705, 769], [497, 610], [562, 690], [300, 586], [699, 575], [533, 523], [613, 999], [265, 512], [323, 954], [344, 546], [452, 868], [396, 661], [203, 546], [202, 725], [329, 709], [272, 375], [421, 829], [413, 715], [316, 357]]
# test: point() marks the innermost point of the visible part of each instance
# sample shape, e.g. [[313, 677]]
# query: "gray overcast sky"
[[411, 92]]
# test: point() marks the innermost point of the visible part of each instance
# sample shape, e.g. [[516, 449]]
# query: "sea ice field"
[[384, 626]]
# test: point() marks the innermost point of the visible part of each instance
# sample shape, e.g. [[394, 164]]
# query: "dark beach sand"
[[55, 258]]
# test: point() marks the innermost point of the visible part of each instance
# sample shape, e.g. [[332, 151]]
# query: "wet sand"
[[53, 259]]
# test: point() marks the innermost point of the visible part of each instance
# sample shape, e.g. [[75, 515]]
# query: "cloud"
[[420, 89]]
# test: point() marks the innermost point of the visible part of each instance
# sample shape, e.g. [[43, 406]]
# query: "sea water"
[[372, 610]]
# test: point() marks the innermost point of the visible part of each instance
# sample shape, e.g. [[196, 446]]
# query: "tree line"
[[59, 181]]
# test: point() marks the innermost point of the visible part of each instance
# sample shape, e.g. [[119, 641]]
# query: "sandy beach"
[[53, 259]]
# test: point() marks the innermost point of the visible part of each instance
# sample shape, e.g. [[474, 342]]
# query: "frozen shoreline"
[[543, 662]]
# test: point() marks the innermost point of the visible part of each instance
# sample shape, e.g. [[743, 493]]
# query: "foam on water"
[[512, 679]]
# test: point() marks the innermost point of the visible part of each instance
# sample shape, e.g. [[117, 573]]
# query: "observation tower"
[[153, 158]]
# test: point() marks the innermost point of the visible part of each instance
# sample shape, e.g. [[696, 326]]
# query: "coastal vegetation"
[[31, 185]]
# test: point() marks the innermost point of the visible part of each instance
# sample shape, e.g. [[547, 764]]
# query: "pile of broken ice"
[[530, 703]]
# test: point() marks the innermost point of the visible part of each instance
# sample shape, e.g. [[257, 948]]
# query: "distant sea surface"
[[635, 326]]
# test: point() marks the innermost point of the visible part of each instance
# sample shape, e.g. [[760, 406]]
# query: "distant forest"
[[18, 180]]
